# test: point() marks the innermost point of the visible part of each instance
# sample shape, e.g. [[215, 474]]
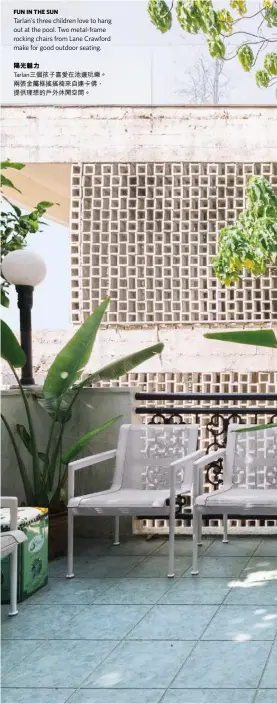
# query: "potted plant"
[[46, 487]]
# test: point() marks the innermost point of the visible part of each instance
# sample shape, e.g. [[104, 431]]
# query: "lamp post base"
[[27, 381]]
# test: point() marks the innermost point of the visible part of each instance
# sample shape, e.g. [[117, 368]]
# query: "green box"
[[32, 554]]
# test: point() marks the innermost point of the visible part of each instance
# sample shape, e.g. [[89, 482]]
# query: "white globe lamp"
[[25, 269]]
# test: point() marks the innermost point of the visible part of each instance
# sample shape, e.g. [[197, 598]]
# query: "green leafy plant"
[[200, 16], [62, 386], [252, 242], [15, 227]]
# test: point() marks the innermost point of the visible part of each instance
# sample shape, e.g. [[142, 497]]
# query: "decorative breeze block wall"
[[145, 234]]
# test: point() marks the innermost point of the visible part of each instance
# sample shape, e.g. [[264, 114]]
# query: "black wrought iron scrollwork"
[[181, 503], [214, 474], [167, 419], [217, 419]]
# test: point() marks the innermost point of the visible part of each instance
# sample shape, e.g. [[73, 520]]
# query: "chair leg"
[[70, 543], [225, 528], [195, 524], [13, 583], [199, 541], [171, 541], [116, 531]]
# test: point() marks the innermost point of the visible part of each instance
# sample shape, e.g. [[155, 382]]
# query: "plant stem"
[[35, 457], [23, 471]]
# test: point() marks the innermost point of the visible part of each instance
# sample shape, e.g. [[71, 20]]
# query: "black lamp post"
[[25, 269], [25, 304]]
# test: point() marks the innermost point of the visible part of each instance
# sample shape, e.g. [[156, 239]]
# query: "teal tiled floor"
[[122, 632]]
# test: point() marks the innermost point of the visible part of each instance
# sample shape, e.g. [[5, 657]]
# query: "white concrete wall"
[[185, 350], [91, 134], [88, 134]]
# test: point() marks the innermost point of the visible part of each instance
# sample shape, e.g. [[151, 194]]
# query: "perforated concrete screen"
[[205, 382], [146, 234]]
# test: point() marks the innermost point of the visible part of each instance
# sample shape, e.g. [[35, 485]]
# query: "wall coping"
[[108, 390], [93, 134]]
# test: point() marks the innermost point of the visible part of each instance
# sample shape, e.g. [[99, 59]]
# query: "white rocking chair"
[[249, 480], [154, 464], [9, 546]]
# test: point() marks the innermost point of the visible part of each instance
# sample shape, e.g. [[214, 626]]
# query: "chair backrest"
[[146, 451], [251, 461]]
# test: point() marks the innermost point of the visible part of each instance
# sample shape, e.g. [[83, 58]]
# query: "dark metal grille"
[[213, 413]]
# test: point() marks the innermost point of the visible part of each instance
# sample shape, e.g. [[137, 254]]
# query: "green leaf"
[[7, 182], [44, 204], [16, 209], [239, 5], [270, 64], [71, 361], [270, 16], [262, 78], [160, 15], [55, 408], [30, 497], [78, 446], [24, 436], [226, 21], [259, 338], [10, 348], [216, 47], [11, 165], [246, 57], [5, 301], [26, 439], [265, 426], [124, 365]]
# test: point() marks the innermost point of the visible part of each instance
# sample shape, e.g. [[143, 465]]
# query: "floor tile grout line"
[[199, 640], [25, 656], [180, 668], [98, 665], [113, 649], [126, 689], [259, 543], [237, 578], [266, 663], [126, 575]]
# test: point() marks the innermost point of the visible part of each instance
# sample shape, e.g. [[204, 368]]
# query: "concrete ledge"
[[140, 134]]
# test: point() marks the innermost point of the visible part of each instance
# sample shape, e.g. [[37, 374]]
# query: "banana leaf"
[[56, 409], [259, 338], [5, 301], [27, 442], [10, 347], [265, 426], [76, 448], [71, 361], [122, 366], [30, 495]]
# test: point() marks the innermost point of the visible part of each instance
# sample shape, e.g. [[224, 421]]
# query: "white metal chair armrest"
[[11, 502], [85, 462], [188, 458], [197, 487], [211, 457]]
